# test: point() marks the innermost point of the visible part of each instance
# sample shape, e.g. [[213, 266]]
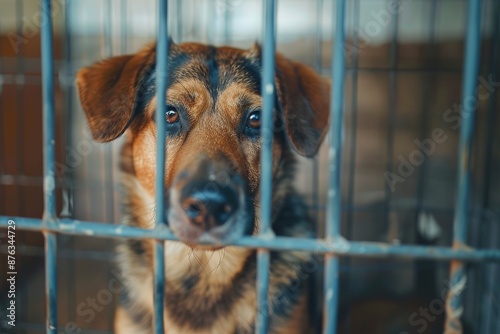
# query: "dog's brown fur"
[[208, 291]]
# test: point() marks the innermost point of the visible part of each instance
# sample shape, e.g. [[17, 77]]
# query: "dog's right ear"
[[108, 92]]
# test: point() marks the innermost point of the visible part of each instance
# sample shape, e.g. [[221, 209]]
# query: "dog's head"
[[213, 123]]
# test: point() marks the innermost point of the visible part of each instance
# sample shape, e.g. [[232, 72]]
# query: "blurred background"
[[403, 83]]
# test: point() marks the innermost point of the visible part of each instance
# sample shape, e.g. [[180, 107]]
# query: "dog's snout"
[[209, 201], [208, 209]]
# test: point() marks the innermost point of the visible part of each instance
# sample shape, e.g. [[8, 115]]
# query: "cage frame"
[[332, 247]]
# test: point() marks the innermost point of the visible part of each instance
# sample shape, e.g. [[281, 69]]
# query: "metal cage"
[[334, 245]]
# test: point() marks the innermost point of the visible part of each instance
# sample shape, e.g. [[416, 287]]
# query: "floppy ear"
[[109, 90], [305, 102]]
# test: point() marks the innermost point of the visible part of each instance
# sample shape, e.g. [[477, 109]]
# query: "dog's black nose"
[[210, 208]]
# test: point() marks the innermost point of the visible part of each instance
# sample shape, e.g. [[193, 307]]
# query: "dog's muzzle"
[[209, 203]]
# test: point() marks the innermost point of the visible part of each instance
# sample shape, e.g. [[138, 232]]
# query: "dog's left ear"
[[305, 102], [109, 91]]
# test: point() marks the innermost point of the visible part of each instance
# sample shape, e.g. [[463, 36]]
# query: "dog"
[[213, 122]]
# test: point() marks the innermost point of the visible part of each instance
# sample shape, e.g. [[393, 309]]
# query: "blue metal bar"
[[266, 161], [20, 105], [2, 166], [179, 12], [67, 186], [429, 86], [228, 22], [492, 107], [391, 126], [318, 66], [49, 184], [458, 278], [334, 209], [48, 112], [65, 82], [314, 287], [51, 281], [349, 226], [107, 153], [354, 120], [263, 262], [487, 278], [266, 158], [123, 22], [342, 248], [161, 98]]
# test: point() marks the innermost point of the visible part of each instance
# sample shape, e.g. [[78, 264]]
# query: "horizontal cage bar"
[[319, 246]]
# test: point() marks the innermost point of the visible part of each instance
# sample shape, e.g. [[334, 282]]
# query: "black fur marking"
[[136, 246], [242, 331], [190, 282], [139, 316], [147, 86], [213, 72], [253, 71], [288, 296], [193, 309]]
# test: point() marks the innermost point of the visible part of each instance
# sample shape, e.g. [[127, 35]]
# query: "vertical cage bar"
[[66, 83], [107, 159], [391, 114], [180, 20], [161, 94], [352, 152], [334, 205], [263, 262], [485, 286], [123, 22], [228, 23], [68, 185], [51, 281], [2, 132], [268, 67], [458, 278], [20, 83], [354, 120], [315, 283], [429, 83], [319, 65], [492, 106], [49, 184]]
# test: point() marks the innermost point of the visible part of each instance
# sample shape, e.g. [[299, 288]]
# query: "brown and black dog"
[[211, 181]]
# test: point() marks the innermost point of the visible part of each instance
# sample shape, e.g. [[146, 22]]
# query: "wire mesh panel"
[[336, 211]]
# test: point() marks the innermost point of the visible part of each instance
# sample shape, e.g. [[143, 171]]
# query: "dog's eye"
[[254, 120], [171, 115]]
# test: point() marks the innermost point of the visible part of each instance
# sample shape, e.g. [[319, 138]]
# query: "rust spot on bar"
[[461, 246]]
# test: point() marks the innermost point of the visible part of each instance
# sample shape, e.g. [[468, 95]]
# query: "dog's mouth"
[[204, 213], [204, 232]]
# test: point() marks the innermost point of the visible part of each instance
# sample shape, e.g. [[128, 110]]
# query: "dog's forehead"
[[216, 67]]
